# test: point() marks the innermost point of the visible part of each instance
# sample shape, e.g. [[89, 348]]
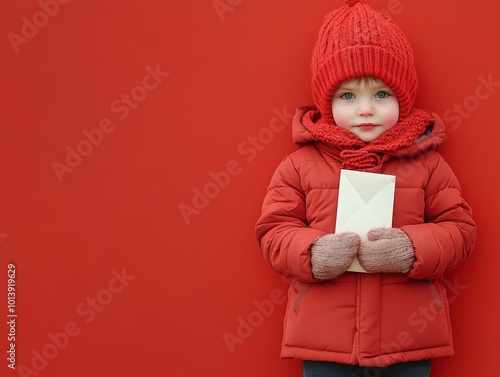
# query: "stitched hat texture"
[[357, 41]]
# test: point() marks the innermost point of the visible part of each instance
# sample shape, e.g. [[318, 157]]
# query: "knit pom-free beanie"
[[356, 41]]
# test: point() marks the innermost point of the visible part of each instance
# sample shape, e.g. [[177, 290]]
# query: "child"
[[393, 319]]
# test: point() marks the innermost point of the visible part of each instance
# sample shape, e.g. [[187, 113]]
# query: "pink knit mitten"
[[388, 250], [332, 254]]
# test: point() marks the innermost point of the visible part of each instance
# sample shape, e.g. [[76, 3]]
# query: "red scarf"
[[358, 155]]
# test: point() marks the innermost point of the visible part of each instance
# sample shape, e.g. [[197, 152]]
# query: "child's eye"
[[382, 95], [347, 96]]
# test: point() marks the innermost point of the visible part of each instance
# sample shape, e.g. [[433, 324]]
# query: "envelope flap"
[[367, 185]]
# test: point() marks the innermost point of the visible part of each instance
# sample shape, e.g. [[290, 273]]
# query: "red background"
[[198, 277]]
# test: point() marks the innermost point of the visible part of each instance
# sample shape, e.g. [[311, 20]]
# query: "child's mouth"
[[366, 126]]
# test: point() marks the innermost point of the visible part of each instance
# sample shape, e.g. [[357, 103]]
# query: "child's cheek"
[[391, 116], [341, 116]]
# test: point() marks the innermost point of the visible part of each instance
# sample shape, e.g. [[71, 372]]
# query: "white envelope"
[[366, 201]]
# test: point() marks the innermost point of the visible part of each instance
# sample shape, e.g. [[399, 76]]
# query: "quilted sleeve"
[[282, 229], [447, 237]]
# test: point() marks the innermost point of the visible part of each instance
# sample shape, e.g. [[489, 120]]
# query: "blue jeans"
[[324, 369]]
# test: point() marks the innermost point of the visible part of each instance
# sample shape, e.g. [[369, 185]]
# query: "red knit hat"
[[356, 41]]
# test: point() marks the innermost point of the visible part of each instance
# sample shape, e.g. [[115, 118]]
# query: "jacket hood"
[[431, 139]]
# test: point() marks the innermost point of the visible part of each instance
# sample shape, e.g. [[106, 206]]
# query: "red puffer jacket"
[[366, 319]]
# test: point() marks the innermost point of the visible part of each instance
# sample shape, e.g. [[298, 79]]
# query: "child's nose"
[[365, 108]]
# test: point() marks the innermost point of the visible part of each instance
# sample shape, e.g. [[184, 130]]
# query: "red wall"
[[115, 115]]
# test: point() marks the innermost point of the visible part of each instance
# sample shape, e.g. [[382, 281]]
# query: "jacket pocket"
[[413, 316], [435, 295], [301, 292], [321, 316]]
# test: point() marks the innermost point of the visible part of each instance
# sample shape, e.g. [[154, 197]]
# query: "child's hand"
[[332, 254], [388, 250]]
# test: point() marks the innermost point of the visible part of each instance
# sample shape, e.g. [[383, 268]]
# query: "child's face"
[[366, 107]]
